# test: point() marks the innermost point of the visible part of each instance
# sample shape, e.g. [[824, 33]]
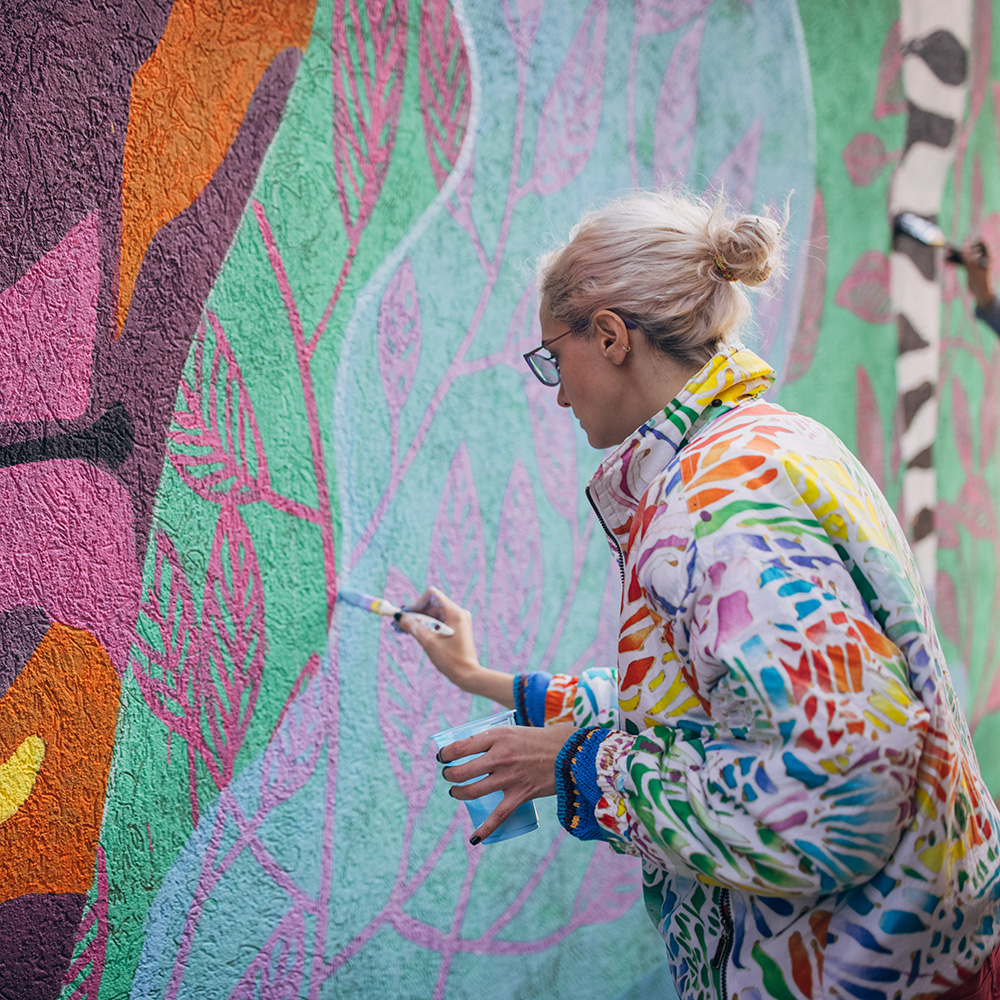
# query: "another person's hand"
[[455, 655], [978, 262], [520, 761]]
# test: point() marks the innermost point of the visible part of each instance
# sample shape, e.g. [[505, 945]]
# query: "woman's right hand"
[[455, 655]]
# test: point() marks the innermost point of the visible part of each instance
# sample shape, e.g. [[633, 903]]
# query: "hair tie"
[[723, 269]]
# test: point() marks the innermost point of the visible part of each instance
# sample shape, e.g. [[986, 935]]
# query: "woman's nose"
[[561, 397]]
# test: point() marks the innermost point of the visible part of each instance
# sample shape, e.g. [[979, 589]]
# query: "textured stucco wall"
[[263, 295]]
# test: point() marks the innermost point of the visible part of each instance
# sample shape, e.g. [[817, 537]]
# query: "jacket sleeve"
[[542, 699], [808, 774]]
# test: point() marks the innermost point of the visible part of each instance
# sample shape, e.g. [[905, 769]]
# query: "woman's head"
[[670, 263]]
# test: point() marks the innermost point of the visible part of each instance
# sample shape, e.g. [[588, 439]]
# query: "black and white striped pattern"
[[935, 36]]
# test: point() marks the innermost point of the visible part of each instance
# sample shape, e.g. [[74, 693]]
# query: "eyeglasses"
[[543, 366]]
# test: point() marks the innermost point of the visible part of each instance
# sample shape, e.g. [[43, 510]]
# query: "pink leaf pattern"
[[414, 702], [233, 643], [980, 56], [989, 412], [458, 551], [814, 294], [889, 97], [571, 111], [522, 22], [276, 972], [865, 290], [399, 337], [677, 109], [292, 754], [90, 959], [737, 174], [865, 157], [445, 86], [868, 427], [555, 445], [961, 424], [946, 608], [216, 445], [524, 332], [369, 55], [609, 889], [168, 643], [658, 16], [516, 591]]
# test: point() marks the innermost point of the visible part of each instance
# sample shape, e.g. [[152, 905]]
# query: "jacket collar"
[[733, 376]]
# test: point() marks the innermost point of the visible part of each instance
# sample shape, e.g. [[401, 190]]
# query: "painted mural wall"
[[265, 281]]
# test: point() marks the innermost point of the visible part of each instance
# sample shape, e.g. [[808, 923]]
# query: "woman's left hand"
[[519, 761]]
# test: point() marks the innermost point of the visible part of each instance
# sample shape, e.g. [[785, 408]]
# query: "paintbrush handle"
[[426, 621]]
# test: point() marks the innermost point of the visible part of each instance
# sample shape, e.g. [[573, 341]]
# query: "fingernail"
[[443, 775], [474, 840], [451, 792], [438, 757]]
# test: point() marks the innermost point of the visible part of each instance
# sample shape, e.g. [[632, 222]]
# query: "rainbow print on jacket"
[[780, 742]]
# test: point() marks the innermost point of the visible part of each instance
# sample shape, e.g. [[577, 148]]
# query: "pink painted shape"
[[47, 324], [67, 546], [734, 615], [870, 433], [865, 290], [677, 109]]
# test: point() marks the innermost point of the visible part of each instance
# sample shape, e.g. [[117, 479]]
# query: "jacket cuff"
[[576, 783], [991, 314], [529, 698]]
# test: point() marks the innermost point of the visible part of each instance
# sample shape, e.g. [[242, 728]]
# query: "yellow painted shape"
[[188, 102], [675, 689], [925, 803], [17, 776], [887, 708]]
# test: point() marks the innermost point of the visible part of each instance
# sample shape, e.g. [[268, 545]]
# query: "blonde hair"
[[667, 261]]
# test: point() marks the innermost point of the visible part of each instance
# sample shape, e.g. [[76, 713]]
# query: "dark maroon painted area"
[[36, 944]]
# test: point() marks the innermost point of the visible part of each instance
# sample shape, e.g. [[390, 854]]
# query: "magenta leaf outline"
[[445, 86], [806, 339], [865, 289], [571, 111], [398, 342], [369, 50], [216, 445], [233, 643], [516, 587], [677, 109], [90, 958], [736, 176]]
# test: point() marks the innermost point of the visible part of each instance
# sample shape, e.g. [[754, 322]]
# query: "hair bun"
[[748, 249]]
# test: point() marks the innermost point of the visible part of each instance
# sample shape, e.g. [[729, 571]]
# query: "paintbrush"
[[380, 606]]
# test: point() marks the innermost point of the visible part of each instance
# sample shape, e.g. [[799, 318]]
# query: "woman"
[[780, 743]]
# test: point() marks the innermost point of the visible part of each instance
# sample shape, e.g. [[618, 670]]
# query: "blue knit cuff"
[[529, 698], [576, 784], [991, 314]]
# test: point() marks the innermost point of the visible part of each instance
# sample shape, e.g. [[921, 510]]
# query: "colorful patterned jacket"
[[780, 743]]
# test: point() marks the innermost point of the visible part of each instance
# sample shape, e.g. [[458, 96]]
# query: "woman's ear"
[[613, 336]]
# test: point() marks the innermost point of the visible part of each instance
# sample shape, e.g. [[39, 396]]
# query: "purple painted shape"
[[21, 630], [67, 545], [62, 133], [47, 325], [37, 932], [734, 616]]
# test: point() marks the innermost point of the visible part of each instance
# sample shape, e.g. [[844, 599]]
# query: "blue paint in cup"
[[524, 819]]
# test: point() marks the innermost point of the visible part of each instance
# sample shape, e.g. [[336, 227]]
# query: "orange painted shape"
[[67, 695], [706, 497], [188, 102], [732, 468], [801, 970]]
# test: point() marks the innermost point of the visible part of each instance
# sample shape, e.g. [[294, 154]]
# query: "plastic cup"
[[524, 819]]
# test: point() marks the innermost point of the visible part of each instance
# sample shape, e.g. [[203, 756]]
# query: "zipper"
[[721, 959], [611, 537]]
